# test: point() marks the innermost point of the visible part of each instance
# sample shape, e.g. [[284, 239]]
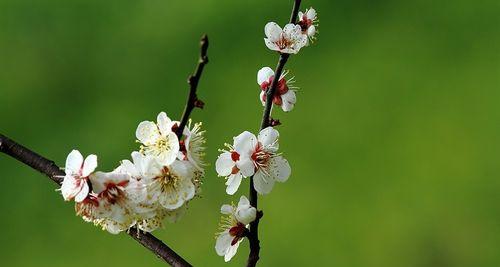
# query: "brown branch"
[[193, 80], [253, 235], [49, 168]]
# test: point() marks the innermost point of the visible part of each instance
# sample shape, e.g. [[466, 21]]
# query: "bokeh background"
[[394, 141]]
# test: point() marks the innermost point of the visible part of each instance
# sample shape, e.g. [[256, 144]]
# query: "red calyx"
[[238, 232], [235, 156], [281, 89]]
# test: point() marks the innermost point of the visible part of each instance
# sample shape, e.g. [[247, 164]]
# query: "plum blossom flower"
[[234, 227], [77, 170], [288, 40], [270, 166], [158, 139], [235, 163], [117, 193], [172, 185], [308, 22], [284, 95], [192, 147]]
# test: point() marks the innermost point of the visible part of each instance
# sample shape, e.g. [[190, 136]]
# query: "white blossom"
[[117, 195], [308, 22], [270, 166], [234, 227], [173, 185], [236, 163], [285, 93], [77, 170], [158, 140], [288, 40]]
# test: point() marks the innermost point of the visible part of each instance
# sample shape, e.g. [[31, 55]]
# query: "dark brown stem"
[[49, 168], [193, 80], [253, 235]]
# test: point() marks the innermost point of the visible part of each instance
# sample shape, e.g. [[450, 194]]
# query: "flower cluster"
[[157, 184], [258, 156]]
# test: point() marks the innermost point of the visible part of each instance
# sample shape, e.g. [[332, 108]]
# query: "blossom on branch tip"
[[234, 227], [308, 22], [235, 163], [158, 139], [288, 40], [284, 95], [75, 184]]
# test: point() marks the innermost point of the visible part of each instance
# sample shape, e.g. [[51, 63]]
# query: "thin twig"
[[253, 235], [193, 81], [49, 168]]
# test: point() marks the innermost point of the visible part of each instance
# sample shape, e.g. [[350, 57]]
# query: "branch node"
[[199, 104]]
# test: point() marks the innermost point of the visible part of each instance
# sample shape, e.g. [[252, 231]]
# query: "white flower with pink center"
[[288, 40], [158, 139], [117, 194], [284, 95], [235, 163], [234, 227], [308, 21], [75, 184], [270, 166]]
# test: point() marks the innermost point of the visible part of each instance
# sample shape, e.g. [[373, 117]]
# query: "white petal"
[[289, 100], [224, 164], [280, 169], [311, 14], [246, 215], [264, 75], [245, 143], [262, 98], [188, 189], [223, 243], [128, 167], [68, 187], [164, 123], [271, 45], [169, 155], [300, 15], [147, 132], [150, 168], [233, 183], [83, 192], [272, 31], [136, 191], [74, 163], [291, 29], [243, 201], [311, 31], [226, 209], [262, 184], [269, 136], [232, 251], [89, 165], [246, 166], [98, 180]]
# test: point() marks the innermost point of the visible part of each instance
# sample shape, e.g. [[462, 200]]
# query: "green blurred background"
[[394, 142]]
